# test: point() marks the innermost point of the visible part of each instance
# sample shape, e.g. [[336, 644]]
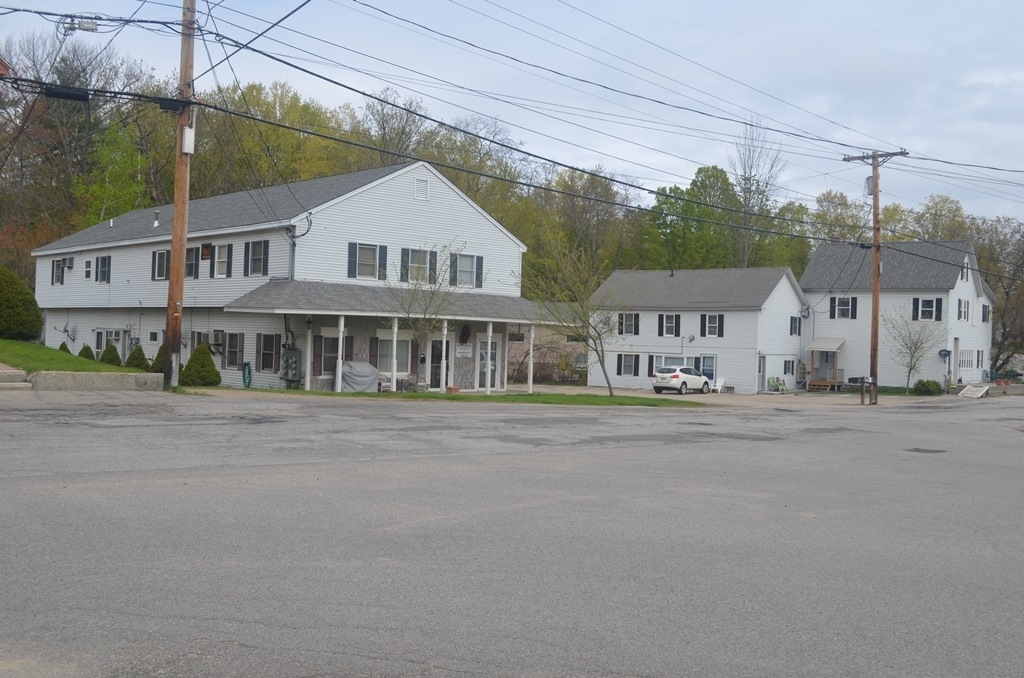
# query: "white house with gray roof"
[[922, 282], [740, 325], [308, 267]]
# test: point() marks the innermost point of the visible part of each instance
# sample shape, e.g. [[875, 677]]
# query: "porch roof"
[[825, 344], [279, 295]]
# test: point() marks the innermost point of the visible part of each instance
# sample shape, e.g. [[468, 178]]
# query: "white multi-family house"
[[310, 271], [740, 325], [921, 283]]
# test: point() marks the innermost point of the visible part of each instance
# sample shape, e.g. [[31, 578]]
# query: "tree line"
[[66, 165]]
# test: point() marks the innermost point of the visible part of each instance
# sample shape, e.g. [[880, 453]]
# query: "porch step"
[[14, 385]]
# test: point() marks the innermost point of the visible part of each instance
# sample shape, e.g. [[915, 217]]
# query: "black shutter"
[[938, 309], [721, 324], [245, 263], [353, 252], [677, 325], [259, 344], [636, 365], [832, 308], [195, 264], [382, 262], [350, 346], [621, 316], [403, 266], [853, 308], [479, 272], [914, 308], [213, 261], [109, 269], [703, 324], [618, 365], [374, 351], [277, 352], [661, 324], [433, 268], [636, 323], [650, 365], [266, 258], [453, 271], [318, 355], [97, 278], [230, 257]]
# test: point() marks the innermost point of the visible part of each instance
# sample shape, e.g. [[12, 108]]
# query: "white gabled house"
[[924, 282], [305, 269], [740, 325]]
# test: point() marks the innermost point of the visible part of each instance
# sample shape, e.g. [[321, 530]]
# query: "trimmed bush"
[[927, 387], [86, 352], [200, 370], [110, 355], [137, 359], [158, 360], [20, 317], [64, 347]]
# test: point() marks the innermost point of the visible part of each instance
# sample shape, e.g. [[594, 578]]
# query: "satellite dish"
[[945, 353]]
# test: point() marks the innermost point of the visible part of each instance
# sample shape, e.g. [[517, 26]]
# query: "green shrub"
[[158, 360], [927, 387], [86, 352], [200, 370], [64, 347], [20, 317], [137, 359], [110, 355]]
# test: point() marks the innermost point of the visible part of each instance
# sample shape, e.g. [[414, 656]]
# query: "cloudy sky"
[[651, 90]]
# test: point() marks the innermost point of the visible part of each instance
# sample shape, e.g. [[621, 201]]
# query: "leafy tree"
[[910, 341], [200, 370], [836, 216], [137, 359], [86, 352], [110, 355], [20, 317]]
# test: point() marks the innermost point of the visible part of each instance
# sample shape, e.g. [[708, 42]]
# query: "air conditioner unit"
[[117, 335], [68, 262], [217, 338]]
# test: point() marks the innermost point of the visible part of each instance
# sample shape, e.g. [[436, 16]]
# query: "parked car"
[[681, 379]]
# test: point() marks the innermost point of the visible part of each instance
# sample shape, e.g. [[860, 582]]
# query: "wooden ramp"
[[972, 391]]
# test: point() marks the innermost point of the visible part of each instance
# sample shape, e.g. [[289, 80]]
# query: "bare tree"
[[756, 168], [910, 341], [394, 126]]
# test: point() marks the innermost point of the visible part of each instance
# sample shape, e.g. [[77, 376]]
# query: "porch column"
[[444, 361], [529, 365], [507, 344], [394, 354], [308, 360], [341, 353], [487, 352]]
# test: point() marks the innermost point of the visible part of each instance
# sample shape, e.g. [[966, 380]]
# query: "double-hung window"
[[418, 266], [57, 274], [712, 324], [795, 325], [384, 355], [926, 309], [467, 270], [256, 254], [963, 309], [789, 367], [222, 261], [103, 269], [843, 307], [629, 323], [628, 364], [192, 262], [233, 350], [668, 324], [986, 313], [268, 352], [367, 261], [160, 267]]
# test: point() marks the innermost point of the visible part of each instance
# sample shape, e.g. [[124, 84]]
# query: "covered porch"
[[824, 373]]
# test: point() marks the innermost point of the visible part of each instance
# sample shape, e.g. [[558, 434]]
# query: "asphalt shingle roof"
[[700, 289], [281, 203]]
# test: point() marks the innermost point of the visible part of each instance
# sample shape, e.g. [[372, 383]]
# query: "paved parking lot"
[[156, 534]]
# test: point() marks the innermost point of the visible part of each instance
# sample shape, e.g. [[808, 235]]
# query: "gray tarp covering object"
[[359, 377]]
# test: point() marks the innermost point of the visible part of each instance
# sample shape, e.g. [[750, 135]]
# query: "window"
[[981, 356], [88, 269], [384, 355], [152, 336], [233, 350], [707, 366], [926, 309], [329, 362], [843, 307], [419, 266], [204, 338], [256, 253], [712, 325], [668, 325], [220, 264], [268, 352], [629, 323], [795, 325], [964, 272], [100, 336], [57, 275], [192, 262], [963, 309], [367, 261], [160, 267], [986, 313], [789, 367], [103, 269], [628, 364], [967, 359], [467, 270], [366, 266]]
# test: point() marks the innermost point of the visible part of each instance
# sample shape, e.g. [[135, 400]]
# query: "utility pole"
[[876, 158], [179, 234]]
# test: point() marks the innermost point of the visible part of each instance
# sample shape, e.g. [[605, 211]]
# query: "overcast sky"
[[635, 87]]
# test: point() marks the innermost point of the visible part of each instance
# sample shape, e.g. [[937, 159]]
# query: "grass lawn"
[[38, 358]]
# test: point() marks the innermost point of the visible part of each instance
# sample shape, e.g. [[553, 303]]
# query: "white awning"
[[825, 344]]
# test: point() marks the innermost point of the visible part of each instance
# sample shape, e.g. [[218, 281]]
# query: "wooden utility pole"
[[179, 234], [876, 158]]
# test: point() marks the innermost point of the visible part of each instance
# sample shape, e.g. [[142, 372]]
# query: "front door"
[[760, 373], [482, 367], [435, 360]]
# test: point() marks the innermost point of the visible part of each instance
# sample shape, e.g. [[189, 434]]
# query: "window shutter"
[[382, 262], [230, 257], [195, 268], [259, 346], [832, 308], [915, 304], [241, 350], [245, 270], [353, 251], [677, 324], [97, 278], [853, 308], [152, 272], [636, 365], [618, 365], [721, 324], [192, 341], [266, 258], [650, 365], [479, 272], [403, 266], [110, 269], [621, 317], [350, 345], [938, 309], [433, 268], [661, 324], [213, 262], [453, 271], [703, 324], [277, 351], [223, 350], [374, 351], [318, 355], [636, 323]]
